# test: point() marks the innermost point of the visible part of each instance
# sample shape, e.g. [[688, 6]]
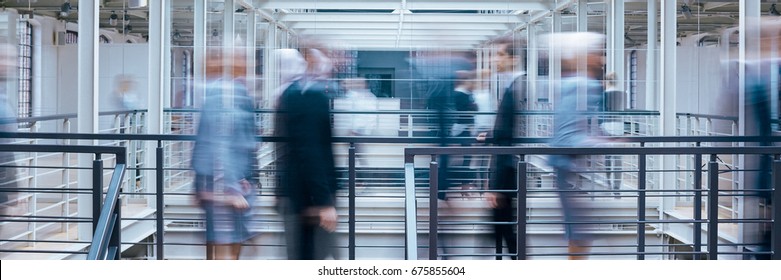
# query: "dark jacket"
[[507, 123], [306, 158]]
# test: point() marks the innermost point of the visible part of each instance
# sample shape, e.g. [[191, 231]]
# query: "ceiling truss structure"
[[402, 24]]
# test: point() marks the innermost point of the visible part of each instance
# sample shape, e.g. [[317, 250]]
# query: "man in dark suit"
[[512, 86], [308, 181]]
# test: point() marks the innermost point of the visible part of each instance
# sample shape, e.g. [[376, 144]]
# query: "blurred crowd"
[[469, 105]]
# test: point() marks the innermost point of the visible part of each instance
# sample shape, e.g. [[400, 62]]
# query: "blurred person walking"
[[360, 99], [578, 50], [760, 68], [308, 179], [511, 84], [224, 156]]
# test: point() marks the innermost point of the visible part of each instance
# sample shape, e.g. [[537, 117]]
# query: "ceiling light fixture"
[[65, 9], [113, 18]]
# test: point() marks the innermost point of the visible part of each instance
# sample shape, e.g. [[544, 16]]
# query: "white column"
[[228, 34], [582, 16], [166, 93], [668, 68], [37, 71], [749, 50], [531, 69], [228, 23], [87, 109], [650, 61], [157, 66], [250, 54], [156, 89], [616, 42], [667, 96], [554, 60], [270, 66], [199, 52]]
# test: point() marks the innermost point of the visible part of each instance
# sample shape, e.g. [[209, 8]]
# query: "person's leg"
[[323, 244], [498, 240], [306, 242], [575, 247], [202, 184], [292, 229], [235, 250], [211, 250], [504, 232], [240, 232]]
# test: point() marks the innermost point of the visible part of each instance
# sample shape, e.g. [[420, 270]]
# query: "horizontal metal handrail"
[[409, 153], [706, 116], [385, 140], [448, 112], [74, 115], [118, 151]]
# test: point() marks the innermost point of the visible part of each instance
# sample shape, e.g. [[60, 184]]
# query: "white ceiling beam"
[[407, 47], [393, 43], [405, 32], [404, 46], [415, 5], [434, 18], [407, 25], [542, 15], [402, 12], [481, 5], [368, 37], [269, 17]]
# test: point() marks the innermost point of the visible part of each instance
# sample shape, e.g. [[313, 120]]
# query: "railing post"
[[159, 199], [97, 190], [411, 210], [432, 206], [521, 210], [697, 206], [776, 232], [351, 202], [641, 187], [713, 208], [409, 125]]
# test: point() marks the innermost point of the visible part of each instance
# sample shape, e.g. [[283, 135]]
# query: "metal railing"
[[110, 122], [172, 187], [101, 218], [642, 194], [351, 170]]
